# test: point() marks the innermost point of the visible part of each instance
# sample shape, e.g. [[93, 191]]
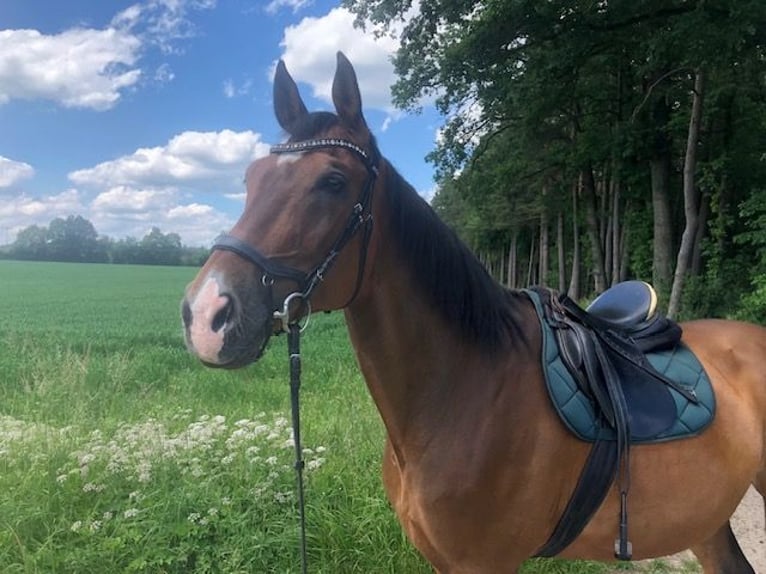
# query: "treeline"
[[589, 142], [75, 239]]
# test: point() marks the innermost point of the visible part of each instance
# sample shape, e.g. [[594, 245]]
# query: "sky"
[[146, 113]]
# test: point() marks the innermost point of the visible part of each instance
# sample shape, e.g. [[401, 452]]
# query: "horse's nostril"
[[223, 315], [186, 314]]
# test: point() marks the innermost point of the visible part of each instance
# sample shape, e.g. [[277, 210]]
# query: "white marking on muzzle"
[[207, 303]]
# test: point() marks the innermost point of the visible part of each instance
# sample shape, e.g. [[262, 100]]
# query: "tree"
[[160, 249], [73, 239], [31, 243], [597, 93]]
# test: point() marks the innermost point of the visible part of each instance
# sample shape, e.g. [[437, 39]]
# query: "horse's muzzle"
[[223, 328]]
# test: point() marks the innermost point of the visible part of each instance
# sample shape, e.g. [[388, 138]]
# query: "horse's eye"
[[333, 182]]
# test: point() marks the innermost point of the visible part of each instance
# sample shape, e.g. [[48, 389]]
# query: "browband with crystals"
[[297, 147]]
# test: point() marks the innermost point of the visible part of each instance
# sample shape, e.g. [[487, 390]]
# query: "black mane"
[[441, 265], [449, 273]]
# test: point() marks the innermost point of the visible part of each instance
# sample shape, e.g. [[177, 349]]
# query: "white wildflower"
[[227, 460], [93, 487], [76, 525], [130, 513], [282, 497], [314, 464], [193, 517]]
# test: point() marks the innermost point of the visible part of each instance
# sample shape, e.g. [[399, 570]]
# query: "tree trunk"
[[617, 254], [696, 263], [574, 280], [513, 260], [660, 168], [561, 254], [592, 221], [691, 197], [531, 267], [544, 242], [662, 264]]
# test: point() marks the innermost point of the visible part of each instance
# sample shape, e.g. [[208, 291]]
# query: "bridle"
[[360, 217]]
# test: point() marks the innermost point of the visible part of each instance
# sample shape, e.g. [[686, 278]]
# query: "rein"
[[360, 216]]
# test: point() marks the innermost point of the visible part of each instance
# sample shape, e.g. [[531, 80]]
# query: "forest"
[[75, 239], [588, 142]]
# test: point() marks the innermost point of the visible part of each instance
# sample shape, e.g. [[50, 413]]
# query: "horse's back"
[[733, 354]]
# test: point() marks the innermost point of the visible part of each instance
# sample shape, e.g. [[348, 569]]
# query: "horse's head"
[[301, 241]]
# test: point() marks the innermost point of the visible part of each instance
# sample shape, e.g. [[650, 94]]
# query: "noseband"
[[360, 216]]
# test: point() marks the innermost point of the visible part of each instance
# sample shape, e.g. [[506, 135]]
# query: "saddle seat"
[[627, 306]]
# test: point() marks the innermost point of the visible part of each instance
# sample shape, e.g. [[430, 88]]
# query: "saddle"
[[615, 363]]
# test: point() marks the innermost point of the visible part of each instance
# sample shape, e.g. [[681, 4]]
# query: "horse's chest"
[[435, 505]]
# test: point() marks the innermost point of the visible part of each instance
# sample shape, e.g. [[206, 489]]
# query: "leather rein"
[[360, 217]]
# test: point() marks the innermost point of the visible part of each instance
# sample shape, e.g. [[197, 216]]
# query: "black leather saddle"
[[604, 349]]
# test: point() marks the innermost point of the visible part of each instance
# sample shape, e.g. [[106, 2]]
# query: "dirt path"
[[748, 526]]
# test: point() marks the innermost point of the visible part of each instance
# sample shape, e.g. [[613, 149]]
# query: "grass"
[[120, 453]]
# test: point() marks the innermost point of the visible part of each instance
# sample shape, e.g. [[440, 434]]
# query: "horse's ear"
[[345, 94], [288, 105]]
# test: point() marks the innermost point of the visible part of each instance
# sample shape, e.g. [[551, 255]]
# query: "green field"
[[119, 452]]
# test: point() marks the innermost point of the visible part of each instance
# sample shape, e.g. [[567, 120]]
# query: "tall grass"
[[120, 453]]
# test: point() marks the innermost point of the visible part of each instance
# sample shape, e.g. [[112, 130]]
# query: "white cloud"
[[12, 172], [295, 5], [156, 186], [162, 22], [231, 90], [193, 158], [127, 211], [77, 68], [92, 68], [370, 55], [124, 199], [20, 211], [164, 74]]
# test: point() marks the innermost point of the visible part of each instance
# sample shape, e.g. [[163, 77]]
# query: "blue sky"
[[145, 113]]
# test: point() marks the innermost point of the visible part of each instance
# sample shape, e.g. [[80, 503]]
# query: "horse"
[[477, 465]]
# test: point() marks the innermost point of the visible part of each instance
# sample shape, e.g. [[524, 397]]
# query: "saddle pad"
[[579, 415]]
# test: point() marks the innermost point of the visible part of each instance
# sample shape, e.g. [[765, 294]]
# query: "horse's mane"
[[448, 272], [441, 265]]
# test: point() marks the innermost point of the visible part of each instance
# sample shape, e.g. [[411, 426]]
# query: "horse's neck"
[[424, 378], [401, 353]]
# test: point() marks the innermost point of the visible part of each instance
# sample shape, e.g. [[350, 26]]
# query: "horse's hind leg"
[[721, 554]]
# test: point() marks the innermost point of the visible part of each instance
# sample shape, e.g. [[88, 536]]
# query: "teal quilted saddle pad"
[[580, 415]]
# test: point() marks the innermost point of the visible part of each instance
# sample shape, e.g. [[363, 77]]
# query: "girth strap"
[[592, 486]]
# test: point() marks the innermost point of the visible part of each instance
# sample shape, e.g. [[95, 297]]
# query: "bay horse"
[[477, 465]]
